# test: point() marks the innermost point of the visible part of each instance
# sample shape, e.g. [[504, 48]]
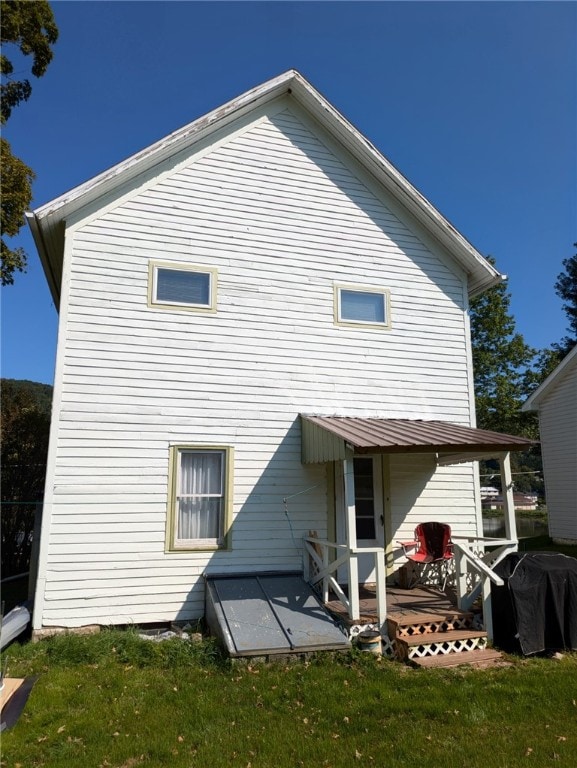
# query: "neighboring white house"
[[218, 292], [556, 402]]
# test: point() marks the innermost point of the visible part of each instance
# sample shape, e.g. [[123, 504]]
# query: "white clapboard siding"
[[558, 429], [421, 493], [282, 217]]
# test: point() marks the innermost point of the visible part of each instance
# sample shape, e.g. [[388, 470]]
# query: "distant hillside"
[[25, 410], [39, 394]]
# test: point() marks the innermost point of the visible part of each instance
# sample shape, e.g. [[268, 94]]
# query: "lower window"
[[199, 507]]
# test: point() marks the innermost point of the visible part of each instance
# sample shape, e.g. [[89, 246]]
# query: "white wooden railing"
[[474, 571], [320, 569], [473, 568]]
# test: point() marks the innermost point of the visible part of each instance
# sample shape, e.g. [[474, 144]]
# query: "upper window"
[[185, 287], [360, 305], [200, 502]]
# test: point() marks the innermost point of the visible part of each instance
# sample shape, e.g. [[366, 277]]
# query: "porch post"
[[461, 576], [351, 538], [487, 608], [381, 573], [508, 500]]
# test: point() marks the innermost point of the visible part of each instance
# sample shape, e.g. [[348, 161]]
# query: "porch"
[[338, 568], [424, 626], [417, 623], [414, 604]]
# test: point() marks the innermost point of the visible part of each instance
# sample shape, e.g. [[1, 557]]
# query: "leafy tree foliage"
[[25, 411], [31, 28], [16, 197], [566, 289], [500, 358]]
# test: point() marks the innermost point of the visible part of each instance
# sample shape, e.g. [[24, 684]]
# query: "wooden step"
[[429, 623], [455, 642], [418, 617], [438, 638], [489, 657]]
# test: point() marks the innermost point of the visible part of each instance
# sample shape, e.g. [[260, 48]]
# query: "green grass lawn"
[[112, 700], [544, 544]]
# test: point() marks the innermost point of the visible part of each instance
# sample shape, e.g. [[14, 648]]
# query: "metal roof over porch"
[[333, 438]]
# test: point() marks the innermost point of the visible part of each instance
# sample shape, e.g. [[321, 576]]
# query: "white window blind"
[[362, 306], [180, 286]]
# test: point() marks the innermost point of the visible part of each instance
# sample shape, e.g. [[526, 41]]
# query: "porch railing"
[[474, 568], [319, 569]]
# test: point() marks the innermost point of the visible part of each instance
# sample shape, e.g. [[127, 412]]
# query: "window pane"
[[200, 473], [182, 286], [363, 486], [362, 306], [201, 496], [364, 498], [199, 518], [365, 528]]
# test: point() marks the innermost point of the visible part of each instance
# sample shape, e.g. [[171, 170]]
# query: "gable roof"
[[47, 222], [532, 403]]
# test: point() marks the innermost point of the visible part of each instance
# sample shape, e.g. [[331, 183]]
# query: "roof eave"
[[481, 274], [44, 254], [487, 449], [152, 155], [330, 438], [532, 402]]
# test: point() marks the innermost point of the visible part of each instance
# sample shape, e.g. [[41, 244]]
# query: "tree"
[[566, 289], [17, 180], [25, 409], [500, 358], [31, 28]]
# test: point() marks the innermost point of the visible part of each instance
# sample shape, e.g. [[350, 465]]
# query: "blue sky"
[[476, 103]]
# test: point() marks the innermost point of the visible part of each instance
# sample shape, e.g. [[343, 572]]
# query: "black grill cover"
[[537, 608]]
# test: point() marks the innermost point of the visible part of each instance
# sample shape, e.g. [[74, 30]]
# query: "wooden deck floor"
[[401, 604]]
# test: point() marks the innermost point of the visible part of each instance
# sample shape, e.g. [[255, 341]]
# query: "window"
[[360, 305], [184, 287], [364, 498], [199, 506]]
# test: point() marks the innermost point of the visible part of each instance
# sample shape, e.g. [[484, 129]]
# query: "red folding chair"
[[431, 549]]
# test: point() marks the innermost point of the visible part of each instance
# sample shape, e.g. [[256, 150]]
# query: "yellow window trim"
[[171, 543], [180, 267]]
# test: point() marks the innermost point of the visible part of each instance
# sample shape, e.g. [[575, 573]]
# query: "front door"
[[369, 515]]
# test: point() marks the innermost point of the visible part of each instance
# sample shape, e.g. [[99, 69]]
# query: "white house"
[[556, 402], [263, 332]]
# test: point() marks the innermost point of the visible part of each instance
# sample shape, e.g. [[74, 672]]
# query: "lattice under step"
[[440, 643], [426, 625]]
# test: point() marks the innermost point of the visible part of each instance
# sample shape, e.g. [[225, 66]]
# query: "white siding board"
[[282, 218], [558, 428], [421, 493]]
